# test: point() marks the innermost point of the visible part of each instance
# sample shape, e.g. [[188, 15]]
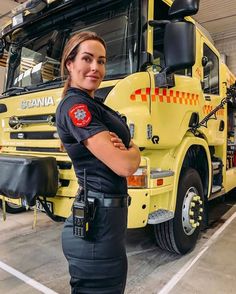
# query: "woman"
[[96, 139]]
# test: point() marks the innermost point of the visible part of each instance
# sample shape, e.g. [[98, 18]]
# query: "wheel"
[[180, 234], [14, 208]]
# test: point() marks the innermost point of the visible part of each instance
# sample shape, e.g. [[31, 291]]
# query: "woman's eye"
[[102, 62], [87, 59]]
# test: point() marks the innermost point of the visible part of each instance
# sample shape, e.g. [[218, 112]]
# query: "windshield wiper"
[[55, 81], [16, 90]]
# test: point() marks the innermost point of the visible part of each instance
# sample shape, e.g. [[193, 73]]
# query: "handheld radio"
[[81, 213]]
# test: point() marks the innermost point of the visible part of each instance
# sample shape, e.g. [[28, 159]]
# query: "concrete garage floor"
[[31, 260]]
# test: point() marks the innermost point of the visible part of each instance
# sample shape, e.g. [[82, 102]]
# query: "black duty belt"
[[109, 200]]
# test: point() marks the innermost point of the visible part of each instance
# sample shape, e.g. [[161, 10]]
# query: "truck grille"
[[33, 135], [38, 149]]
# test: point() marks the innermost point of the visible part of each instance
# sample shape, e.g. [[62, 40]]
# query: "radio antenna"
[[85, 186]]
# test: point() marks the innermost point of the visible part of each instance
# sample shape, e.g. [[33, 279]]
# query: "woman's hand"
[[131, 144], [117, 142], [121, 160]]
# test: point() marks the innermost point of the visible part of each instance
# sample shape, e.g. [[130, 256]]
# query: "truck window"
[[38, 60], [120, 37], [36, 49], [211, 72]]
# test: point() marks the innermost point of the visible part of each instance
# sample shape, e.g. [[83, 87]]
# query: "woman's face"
[[88, 68]]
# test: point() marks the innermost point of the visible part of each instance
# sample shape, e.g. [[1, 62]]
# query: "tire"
[[14, 208], [180, 234]]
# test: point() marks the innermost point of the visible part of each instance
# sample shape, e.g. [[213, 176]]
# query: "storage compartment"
[[231, 138], [28, 177]]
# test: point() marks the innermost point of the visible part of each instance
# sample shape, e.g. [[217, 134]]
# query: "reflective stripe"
[[165, 96], [208, 108], [170, 96]]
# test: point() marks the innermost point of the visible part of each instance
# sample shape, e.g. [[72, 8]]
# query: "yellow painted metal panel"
[[230, 182]]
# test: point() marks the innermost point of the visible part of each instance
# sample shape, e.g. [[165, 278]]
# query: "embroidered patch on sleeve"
[[80, 115]]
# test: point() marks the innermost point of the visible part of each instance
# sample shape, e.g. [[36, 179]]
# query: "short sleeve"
[[82, 118]]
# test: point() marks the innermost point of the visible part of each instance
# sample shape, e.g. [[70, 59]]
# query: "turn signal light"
[[160, 182], [138, 179]]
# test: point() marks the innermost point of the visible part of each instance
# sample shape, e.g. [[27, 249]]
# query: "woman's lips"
[[93, 77]]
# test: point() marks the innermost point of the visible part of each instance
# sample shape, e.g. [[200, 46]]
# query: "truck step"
[[160, 216], [216, 167], [216, 164], [215, 189]]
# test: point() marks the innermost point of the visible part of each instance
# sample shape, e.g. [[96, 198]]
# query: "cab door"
[[212, 92], [216, 127]]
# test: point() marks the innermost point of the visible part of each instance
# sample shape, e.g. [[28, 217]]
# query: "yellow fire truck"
[[163, 75]]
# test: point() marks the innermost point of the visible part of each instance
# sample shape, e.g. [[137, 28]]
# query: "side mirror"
[[179, 45], [182, 8], [204, 60]]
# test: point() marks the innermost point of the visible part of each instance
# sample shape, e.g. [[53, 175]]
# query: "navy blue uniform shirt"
[[79, 117]]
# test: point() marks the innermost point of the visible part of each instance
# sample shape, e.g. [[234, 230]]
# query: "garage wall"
[[227, 46], [219, 18]]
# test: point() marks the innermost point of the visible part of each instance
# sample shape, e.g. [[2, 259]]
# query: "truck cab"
[[163, 75]]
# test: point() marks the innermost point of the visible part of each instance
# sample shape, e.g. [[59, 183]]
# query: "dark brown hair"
[[71, 50]]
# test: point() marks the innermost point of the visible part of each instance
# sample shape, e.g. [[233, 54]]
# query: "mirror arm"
[[164, 79], [158, 23], [146, 60]]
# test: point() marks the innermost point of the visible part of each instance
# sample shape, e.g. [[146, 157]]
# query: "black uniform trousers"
[[98, 264]]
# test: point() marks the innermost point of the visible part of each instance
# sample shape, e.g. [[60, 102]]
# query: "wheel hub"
[[192, 211]]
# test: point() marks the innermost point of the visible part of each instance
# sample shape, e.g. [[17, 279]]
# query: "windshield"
[[35, 53]]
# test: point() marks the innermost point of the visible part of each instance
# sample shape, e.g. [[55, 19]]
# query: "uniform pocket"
[[98, 226], [117, 221], [109, 224]]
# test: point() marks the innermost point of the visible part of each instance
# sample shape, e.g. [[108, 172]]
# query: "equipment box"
[[28, 177]]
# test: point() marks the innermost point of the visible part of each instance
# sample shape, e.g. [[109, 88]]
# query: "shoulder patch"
[[80, 115]]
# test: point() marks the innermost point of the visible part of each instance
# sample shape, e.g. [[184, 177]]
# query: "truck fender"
[[179, 155]]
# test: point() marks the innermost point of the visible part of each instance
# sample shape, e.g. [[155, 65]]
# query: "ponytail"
[[66, 87]]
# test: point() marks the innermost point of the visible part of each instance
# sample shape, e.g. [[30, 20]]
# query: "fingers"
[[117, 142], [131, 144], [121, 146], [113, 134]]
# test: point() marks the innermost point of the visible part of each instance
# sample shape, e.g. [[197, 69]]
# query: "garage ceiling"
[[218, 17]]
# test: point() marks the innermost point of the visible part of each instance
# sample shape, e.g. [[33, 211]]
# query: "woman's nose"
[[94, 65]]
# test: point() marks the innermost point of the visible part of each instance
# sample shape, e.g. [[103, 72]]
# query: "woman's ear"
[[69, 65]]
